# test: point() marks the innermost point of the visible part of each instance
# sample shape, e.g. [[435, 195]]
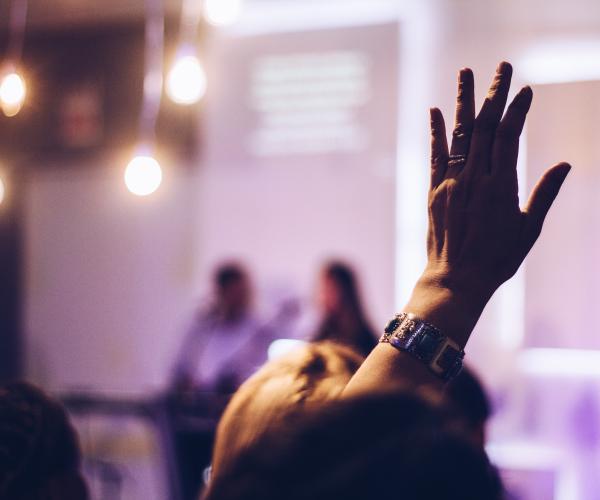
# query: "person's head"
[[469, 405], [278, 393], [233, 290], [386, 446], [339, 289], [343, 319], [39, 452]]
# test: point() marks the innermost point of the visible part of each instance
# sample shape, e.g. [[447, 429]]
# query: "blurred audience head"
[[338, 288], [39, 452], [233, 289], [277, 394], [468, 405], [344, 319], [386, 446]]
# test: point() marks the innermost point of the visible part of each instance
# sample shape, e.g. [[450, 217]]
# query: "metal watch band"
[[407, 333]]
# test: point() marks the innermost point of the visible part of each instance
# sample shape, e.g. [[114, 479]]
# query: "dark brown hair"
[[39, 452], [361, 338], [278, 393], [388, 446]]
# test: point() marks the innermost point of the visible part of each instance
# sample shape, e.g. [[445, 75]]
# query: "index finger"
[[439, 147]]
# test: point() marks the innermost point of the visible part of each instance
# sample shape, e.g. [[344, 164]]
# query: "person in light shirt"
[[227, 341]]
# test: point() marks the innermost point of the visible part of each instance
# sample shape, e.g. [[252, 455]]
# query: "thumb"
[[541, 199]]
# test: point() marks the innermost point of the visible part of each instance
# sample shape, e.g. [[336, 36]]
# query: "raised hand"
[[478, 235]]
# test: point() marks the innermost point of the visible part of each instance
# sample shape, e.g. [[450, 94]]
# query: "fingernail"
[[524, 92], [503, 67], [567, 167], [464, 73], [433, 116], [564, 170]]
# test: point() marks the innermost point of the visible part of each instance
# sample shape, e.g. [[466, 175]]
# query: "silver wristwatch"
[[425, 342]]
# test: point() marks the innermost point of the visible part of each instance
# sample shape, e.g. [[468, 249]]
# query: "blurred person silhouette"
[[278, 393], [227, 341], [39, 450], [344, 320], [225, 344]]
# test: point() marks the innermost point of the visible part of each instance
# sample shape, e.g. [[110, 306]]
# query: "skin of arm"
[[478, 235]]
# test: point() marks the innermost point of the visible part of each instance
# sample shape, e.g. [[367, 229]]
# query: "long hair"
[[361, 337]]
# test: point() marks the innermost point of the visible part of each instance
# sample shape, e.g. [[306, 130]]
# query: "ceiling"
[[64, 13], [582, 15]]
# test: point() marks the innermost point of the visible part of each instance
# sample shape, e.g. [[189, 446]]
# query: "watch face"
[[428, 345], [392, 325]]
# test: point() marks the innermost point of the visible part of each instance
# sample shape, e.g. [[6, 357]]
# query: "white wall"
[[109, 278]]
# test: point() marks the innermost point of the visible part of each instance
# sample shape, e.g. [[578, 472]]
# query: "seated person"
[[377, 440], [39, 452], [344, 320], [227, 341]]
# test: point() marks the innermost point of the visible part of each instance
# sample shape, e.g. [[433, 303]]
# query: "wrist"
[[453, 309], [471, 288]]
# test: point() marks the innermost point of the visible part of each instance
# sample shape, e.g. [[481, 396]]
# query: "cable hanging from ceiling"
[[186, 81], [143, 174]]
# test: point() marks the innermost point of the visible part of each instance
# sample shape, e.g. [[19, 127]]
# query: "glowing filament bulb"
[[2, 191], [222, 12], [143, 175], [186, 82], [12, 93]]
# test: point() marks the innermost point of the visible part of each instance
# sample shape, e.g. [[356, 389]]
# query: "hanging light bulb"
[[2, 191], [186, 82], [143, 174], [222, 12], [12, 85], [12, 93]]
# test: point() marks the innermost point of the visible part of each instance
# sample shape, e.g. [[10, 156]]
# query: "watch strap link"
[[407, 333]]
